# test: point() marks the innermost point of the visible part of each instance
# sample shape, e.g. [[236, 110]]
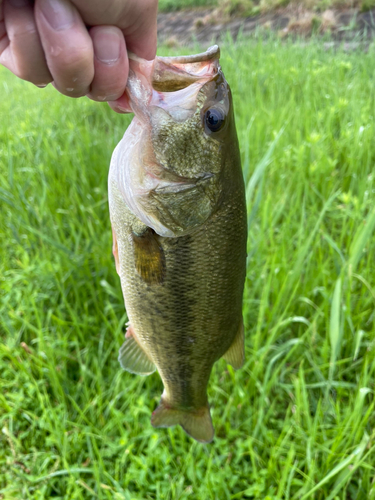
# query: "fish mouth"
[[210, 54], [165, 75], [171, 74], [170, 84]]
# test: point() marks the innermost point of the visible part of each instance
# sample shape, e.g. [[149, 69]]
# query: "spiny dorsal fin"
[[235, 355], [149, 257]]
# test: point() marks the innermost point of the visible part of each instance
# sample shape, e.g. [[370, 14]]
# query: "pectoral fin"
[[149, 257], [133, 358], [235, 355]]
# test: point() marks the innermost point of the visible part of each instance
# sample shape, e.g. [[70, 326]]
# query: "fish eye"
[[214, 119]]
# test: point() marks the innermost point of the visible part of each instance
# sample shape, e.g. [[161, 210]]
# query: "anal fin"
[[133, 358], [235, 355]]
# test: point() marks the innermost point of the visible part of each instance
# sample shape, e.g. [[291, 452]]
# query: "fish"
[[178, 215]]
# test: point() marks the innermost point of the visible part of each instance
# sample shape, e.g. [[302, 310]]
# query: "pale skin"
[[80, 46]]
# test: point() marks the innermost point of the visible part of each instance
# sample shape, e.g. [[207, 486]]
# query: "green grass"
[[297, 421], [172, 5]]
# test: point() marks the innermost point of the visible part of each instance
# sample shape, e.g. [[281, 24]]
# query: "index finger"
[[20, 48]]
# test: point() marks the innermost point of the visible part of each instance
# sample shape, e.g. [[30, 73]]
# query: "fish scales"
[[184, 299]]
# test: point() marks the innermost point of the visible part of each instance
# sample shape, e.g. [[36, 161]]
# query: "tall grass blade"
[[335, 331], [352, 458], [262, 165], [360, 240]]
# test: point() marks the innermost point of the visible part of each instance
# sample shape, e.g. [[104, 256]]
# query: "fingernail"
[[107, 46], [59, 13], [19, 3]]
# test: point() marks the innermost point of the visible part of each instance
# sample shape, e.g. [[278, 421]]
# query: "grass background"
[[297, 421], [170, 5]]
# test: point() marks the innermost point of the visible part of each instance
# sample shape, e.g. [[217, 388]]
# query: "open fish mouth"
[[170, 83], [176, 73]]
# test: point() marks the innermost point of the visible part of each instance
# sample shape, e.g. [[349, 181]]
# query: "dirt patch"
[[205, 27]]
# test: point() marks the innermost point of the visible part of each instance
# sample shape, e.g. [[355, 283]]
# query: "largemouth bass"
[[178, 214]]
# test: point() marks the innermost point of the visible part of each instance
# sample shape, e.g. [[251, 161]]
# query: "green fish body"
[[178, 214]]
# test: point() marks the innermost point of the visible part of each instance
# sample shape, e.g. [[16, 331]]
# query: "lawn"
[[297, 422]]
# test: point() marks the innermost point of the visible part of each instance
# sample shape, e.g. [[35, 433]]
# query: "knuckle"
[[22, 30], [70, 58], [29, 75], [26, 31], [73, 72]]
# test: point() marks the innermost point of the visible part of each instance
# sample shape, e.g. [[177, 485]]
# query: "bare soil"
[[205, 26]]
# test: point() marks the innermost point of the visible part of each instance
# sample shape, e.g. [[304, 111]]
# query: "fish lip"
[[210, 54]]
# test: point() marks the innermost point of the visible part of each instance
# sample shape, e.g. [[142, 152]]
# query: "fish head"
[[185, 127], [185, 106]]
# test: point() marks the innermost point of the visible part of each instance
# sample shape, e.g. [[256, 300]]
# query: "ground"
[[208, 25], [297, 421]]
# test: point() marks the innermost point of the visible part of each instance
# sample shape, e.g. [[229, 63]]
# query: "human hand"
[[45, 41]]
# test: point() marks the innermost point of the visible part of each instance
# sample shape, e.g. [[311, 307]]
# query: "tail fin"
[[196, 423]]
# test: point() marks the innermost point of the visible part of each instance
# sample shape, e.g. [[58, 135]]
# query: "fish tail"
[[197, 423]]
